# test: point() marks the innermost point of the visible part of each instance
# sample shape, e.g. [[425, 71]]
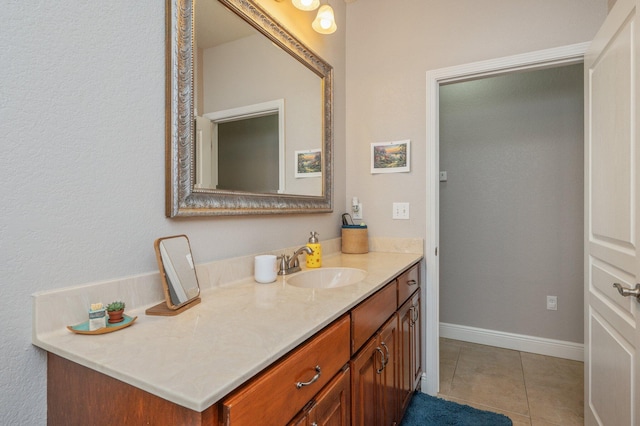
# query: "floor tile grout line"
[[455, 369], [526, 393]]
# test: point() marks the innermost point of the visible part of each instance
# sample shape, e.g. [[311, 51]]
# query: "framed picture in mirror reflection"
[[308, 163]]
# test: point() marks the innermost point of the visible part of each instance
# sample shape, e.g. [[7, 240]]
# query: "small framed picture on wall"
[[391, 157]]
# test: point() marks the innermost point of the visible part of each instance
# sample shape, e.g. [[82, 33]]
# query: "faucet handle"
[[283, 264]]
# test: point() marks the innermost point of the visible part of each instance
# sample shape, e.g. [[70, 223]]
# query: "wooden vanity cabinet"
[[387, 369], [77, 395]]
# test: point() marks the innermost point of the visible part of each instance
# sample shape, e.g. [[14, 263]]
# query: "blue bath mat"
[[425, 410]]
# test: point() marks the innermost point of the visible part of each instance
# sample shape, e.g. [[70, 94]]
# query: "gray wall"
[[82, 113], [511, 212], [390, 47]]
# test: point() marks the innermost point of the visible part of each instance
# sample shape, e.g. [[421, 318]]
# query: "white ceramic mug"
[[265, 268]]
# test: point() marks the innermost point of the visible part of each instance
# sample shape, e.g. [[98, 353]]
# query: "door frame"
[[548, 58]]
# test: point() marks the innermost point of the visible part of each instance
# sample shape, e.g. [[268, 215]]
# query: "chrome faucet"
[[289, 265]]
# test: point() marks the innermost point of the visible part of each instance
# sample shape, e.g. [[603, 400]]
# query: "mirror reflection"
[[249, 114], [255, 107], [177, 270]]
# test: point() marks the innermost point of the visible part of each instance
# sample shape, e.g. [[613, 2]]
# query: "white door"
[[612, 228], [206, 155]]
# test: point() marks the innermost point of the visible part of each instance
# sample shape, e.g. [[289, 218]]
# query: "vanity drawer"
[[273, 398], [368, 317], [408, 283]]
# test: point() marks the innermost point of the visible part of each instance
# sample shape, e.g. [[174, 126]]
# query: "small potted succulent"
[[115, 310]]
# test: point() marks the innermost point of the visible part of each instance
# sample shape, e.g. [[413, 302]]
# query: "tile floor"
[[533, 390]]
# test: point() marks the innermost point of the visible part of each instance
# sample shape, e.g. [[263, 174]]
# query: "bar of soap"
[[97, 317]]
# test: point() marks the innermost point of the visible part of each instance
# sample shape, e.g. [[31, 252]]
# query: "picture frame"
[[308, 163], [391, 157]]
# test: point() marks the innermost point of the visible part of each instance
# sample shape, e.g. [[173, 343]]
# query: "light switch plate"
[[400, 211]]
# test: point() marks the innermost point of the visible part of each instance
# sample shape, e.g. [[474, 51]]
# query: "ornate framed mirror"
[[230, 65]]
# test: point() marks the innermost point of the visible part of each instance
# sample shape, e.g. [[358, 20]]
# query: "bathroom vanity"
[[253, 354]]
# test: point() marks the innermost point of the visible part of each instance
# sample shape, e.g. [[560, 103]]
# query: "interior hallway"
[[531, 389]]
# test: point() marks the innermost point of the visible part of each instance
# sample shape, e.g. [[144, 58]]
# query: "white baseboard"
[[518, 342], [425, 386]]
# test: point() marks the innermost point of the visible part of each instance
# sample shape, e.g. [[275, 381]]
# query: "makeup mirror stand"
[[178, 276], [163, 310]]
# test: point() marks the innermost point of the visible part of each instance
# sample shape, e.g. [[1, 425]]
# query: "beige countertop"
[[196, 358]]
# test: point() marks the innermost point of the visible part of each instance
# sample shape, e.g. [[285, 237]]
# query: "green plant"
[[115, 306]]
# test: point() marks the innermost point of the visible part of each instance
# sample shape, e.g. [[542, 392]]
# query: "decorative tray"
[[84, 327]]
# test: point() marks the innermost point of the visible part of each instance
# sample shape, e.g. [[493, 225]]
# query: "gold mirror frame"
[[181, 197]]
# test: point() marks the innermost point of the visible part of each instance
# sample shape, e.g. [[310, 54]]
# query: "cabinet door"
[[409, 350], [333, 405], [302, 419], [405, 355], [365, 384], [374, 389], [389, 377], [416, 341]]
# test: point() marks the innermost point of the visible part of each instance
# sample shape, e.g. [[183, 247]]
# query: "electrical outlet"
[[357, 211], [400, 211], [356, 208], [552, 303]]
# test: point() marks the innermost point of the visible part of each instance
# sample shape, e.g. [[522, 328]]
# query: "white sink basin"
[[327, 277]]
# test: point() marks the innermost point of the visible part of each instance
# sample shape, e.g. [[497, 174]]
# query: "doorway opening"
[[568, 55]]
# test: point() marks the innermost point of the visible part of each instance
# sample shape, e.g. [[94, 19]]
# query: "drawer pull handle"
[[412, 282], [386, 359], [313, 379], [382, 361], [415, 315]]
